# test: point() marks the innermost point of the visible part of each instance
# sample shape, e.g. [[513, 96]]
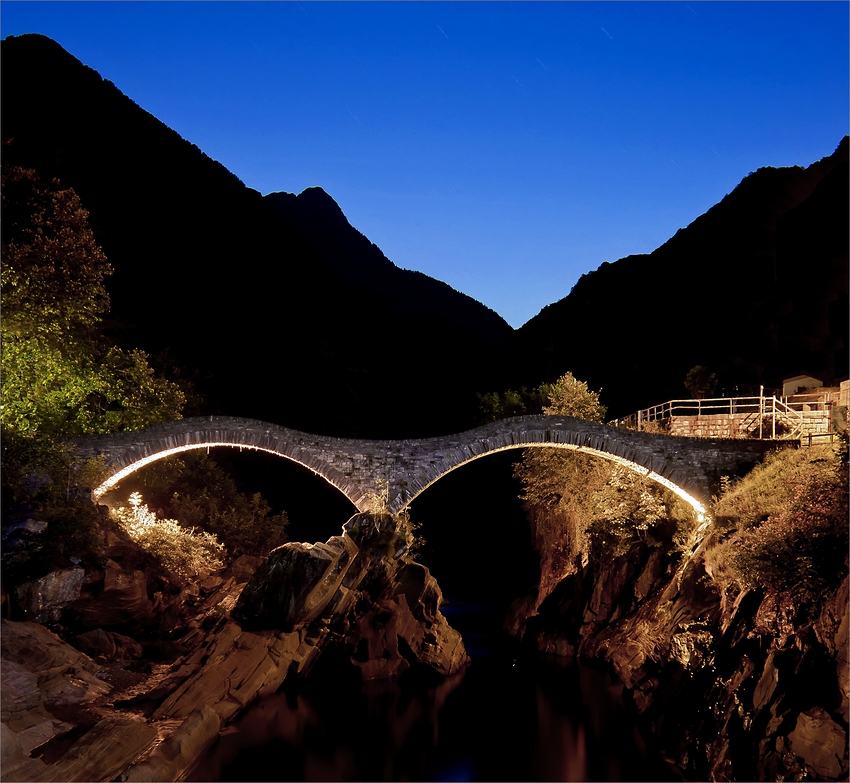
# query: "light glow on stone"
[[134, 466]]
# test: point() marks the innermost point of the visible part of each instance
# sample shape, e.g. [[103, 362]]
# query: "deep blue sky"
[[506, 148]]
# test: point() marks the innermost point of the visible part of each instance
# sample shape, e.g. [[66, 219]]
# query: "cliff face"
[[734, 686]]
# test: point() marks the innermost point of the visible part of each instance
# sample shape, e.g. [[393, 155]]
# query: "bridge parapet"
[[394, 472]]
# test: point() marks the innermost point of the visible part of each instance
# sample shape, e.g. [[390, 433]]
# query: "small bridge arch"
[[397, 471]]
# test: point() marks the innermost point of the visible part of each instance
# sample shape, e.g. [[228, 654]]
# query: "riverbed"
[[510, 715]]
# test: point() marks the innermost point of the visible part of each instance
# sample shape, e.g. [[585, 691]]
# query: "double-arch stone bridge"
[[391, 473]]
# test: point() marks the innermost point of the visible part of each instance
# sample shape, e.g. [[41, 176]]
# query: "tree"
[[548, 474], [577, 503], [701, 382], [60, 376]]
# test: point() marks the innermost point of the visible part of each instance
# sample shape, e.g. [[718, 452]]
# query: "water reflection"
[[506, 717]]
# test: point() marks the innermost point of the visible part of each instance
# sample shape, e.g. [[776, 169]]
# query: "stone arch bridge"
[[391, 473]]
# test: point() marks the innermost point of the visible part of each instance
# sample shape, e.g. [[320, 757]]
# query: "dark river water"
[[508, 716]]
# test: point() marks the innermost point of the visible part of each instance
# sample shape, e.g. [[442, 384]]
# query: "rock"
[[103, 752], [832, 629], [420, 590], [26, 526], [820, 742], [65, 675], [767, 683], [693, 647], [110, 645], [294, 584], [210, 583], [173, 757], [239, 666], [244, 566], [124, 600], [15, 761], [23, 711], [40, 673], [43, 599]]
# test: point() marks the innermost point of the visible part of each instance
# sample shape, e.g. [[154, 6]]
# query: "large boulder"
[[294, 584], [360, 590], [42, 600], [820, 742]]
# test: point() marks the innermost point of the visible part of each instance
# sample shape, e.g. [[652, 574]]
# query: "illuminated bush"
[[788, 526], [185, 553]]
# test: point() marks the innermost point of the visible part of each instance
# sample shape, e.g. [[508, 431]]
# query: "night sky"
[[505, 148]]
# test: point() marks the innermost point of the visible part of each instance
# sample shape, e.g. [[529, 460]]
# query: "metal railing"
[[758, 416]]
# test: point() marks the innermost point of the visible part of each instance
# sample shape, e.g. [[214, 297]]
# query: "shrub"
[[195, 489], [185, 553], [788, 523]]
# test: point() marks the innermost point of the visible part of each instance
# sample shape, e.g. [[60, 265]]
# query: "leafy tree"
[[701, 382], [493, 406], [60, 376]]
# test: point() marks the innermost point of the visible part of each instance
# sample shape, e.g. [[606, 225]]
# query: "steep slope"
[[361, 263], [755, 289], [207, 271]]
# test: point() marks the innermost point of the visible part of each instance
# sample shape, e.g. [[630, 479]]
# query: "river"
[[508, 716]]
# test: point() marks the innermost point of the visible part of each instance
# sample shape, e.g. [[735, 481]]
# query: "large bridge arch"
[[693, 501], [395, 472]]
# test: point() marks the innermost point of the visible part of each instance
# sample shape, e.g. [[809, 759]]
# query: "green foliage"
[[768, 489], [194, 489], [701, 382], [493, 406], [622, 510], [53, 270], [60, 377], [184, 553], [566, 397], [786, 523]]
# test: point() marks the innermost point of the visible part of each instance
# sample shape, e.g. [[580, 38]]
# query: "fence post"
[[774, 417], [761, 411]]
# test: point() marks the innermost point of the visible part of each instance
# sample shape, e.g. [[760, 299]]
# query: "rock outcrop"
[[359, 593], [772, 682], [359, 590]]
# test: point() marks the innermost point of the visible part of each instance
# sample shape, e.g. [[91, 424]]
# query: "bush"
[[193, 488], [787, 526], [184, 553]]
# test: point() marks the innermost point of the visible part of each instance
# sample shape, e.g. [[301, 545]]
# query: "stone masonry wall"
[[398, 470]]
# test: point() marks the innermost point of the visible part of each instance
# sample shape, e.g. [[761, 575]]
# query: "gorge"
[[602, 615]]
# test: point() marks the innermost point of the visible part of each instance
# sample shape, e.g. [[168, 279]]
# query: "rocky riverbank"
[[360, 593], [731, 685]]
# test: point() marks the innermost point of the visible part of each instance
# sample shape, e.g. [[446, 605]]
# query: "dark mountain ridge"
[[207, 270], [755, 289], [360, 262], [290, 314]]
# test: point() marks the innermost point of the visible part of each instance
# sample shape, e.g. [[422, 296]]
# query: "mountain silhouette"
[[280, 321], [755, 289], [288, 313], [360, 262]]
